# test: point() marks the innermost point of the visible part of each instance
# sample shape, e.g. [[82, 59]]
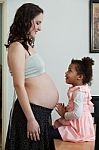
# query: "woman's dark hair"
[[84, 66], [22, 23]]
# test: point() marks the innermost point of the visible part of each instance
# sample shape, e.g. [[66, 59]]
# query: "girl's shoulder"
[[82, 88]]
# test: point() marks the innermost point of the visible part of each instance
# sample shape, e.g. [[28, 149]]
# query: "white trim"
[[4, 70]]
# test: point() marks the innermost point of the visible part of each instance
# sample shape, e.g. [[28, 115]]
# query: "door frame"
[[4, 70]]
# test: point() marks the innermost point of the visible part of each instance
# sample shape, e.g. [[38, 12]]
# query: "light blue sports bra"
[[34, 66]]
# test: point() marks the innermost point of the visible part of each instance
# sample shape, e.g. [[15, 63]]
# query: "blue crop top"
[[34, 66]]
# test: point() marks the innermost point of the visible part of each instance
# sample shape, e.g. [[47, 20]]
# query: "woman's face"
[[36, 25]]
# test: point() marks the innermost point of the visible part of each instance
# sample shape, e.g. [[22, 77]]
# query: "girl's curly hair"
[[84, 66]]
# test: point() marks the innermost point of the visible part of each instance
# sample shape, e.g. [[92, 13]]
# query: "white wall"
[[65, 35]]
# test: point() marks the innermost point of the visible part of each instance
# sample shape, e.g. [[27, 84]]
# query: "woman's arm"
[[16, 62]]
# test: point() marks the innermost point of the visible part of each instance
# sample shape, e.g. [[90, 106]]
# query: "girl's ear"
[[80, 76]]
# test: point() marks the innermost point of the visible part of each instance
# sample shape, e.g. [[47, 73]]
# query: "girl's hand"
[[60, 108], [33, 129]]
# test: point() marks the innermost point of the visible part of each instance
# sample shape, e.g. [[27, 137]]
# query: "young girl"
[[76, 123]]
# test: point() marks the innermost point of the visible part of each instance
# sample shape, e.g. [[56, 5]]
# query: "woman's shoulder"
[[16, 51], [16, 47]]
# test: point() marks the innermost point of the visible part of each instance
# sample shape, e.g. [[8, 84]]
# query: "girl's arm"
[[78, 107]]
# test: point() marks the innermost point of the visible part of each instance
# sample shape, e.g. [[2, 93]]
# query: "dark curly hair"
[[22, 23], [84, 66]]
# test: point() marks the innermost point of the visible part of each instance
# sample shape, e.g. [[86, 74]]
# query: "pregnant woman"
[[36, 93]]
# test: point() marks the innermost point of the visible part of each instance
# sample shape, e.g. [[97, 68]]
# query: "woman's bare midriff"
[[42, 91]]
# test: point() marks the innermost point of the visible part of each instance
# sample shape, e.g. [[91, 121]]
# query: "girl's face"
[[71, 76], [36, 25]]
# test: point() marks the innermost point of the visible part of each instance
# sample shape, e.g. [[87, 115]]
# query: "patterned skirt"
[[17, 130]]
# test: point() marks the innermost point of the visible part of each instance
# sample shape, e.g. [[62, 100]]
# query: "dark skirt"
[[17, 130]]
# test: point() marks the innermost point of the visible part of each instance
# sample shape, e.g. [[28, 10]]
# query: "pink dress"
[[81, 129]]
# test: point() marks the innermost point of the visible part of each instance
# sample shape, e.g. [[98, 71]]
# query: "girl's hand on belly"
[[60, 108]]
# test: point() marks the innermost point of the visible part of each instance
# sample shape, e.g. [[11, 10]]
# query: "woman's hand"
[[60, 108], [33, 129]]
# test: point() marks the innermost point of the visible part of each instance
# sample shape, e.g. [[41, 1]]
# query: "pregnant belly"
[[42, 91]]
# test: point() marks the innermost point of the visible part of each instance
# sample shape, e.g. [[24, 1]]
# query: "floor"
[[60, 145]]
